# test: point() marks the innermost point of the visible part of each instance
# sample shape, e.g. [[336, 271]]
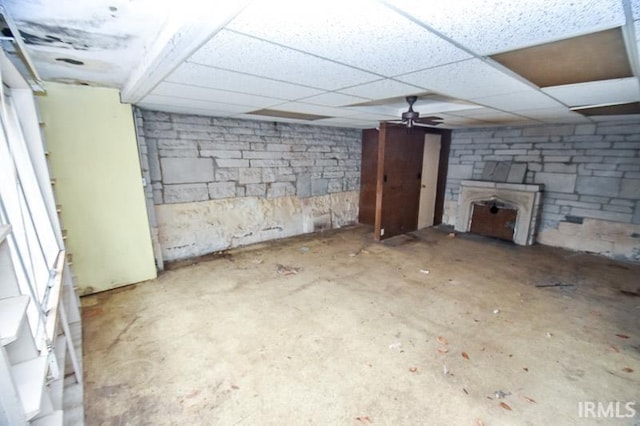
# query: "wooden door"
[[368, 176], [429, 184], [399, 176]]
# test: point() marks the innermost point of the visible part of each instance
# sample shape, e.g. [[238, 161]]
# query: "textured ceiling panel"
[[361, 33], [333, 99], [200, 75], [237, 52], [597, 92], [229, 109], [347, 122], [492, 26], [517, 101], [184, 109], [467, 80], [591, 57], [383, 89], [554, 115], [213, 95]]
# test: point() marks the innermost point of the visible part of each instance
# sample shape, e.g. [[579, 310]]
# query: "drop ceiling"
[[347, 63]]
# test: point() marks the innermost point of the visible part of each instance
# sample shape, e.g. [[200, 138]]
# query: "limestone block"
[[186, 170], [630, 188], [249, 175], [319, 186], [592, 185], [185, 193], [222, 190], [556, 182]]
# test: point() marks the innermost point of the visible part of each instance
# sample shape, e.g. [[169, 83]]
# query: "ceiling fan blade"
[[429, 120], [428, 124]]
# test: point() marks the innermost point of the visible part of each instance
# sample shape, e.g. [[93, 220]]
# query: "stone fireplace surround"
[[524, 198]]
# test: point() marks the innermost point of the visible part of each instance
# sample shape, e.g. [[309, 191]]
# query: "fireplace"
[[504, 210]]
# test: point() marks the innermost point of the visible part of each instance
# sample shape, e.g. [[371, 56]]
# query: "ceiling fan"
[[412, 118]]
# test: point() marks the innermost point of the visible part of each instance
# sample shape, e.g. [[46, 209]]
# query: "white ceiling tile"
[[517, 101], [347, 122], [554, 115], [256, 117], [597, 92], [237, 52], [194, 103], [313, 109], [450, 121], [361, 33], [215, 78], [177, 90], [333, 99], [492, 26], [184, 109], [470, 79], [370, 116], [482, 113], [383, 89]]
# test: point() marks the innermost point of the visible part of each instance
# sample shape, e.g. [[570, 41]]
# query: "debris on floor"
[[304, 249], [413, 369], [465, 355], [286, 270], [501, 394], [452, 235], [529, 400], [442, 340], [549, 335], [558, 284], [505, 406], [424, 271], [257, 261], [630, 289], [496, 311], [395, 345], [364, 419], [445, 370]]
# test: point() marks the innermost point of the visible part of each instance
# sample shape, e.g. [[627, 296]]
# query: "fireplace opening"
[[500, 210], [493, 219]]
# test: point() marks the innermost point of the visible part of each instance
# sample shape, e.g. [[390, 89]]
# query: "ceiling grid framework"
[[342, 63]]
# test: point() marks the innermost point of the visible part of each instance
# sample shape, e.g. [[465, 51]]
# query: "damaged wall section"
[[591, 174], [219, 183]]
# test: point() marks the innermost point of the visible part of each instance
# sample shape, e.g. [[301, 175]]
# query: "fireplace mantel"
[[525, 198]]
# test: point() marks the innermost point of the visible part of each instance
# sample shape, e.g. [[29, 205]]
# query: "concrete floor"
[[362, 334]]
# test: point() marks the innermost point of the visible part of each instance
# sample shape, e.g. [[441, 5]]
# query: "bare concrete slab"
[[333, 328]]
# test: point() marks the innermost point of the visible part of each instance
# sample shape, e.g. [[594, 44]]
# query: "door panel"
[[399, 177], [368, 176], [428, 190]]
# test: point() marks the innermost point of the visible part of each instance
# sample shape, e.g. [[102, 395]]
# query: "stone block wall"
[[211, 163], [591, 174], [196, 158]]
